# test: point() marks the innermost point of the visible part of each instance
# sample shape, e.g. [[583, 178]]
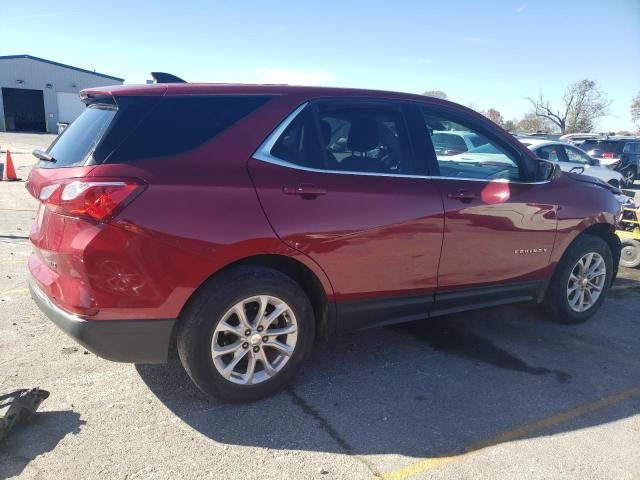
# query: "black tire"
[[206, 310], [630, 254], [556, 299]]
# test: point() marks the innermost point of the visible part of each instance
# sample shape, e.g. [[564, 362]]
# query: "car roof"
[[169, 89]]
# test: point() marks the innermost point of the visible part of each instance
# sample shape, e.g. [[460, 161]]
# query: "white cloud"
[[521, 9], [42, 15], [291, 76], [480, 41], [416, 61]]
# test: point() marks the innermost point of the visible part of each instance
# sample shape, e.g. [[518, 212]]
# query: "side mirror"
[[548, 171]]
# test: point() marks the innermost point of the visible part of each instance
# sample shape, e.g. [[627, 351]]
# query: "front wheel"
[[246, 334], [581, 280]]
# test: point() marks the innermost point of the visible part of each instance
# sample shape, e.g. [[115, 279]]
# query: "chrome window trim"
[[263, 153]]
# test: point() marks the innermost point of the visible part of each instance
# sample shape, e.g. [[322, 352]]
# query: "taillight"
[[608, 155], [90, 198]]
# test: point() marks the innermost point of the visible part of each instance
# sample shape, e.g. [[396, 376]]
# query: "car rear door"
[[339, 182], [499, 226]]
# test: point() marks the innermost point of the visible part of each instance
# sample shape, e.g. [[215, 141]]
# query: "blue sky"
[[482, 53]]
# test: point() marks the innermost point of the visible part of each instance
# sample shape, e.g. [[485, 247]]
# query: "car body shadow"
[[22, 445], [433, 388]]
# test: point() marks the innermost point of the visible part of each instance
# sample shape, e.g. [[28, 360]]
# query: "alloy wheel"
[[254, 340], [586, 282]]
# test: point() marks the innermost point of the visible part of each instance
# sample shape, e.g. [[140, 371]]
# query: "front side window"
[[575, 156], [459, 157]]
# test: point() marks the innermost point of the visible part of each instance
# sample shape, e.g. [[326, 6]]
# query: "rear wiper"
[[41, 155]]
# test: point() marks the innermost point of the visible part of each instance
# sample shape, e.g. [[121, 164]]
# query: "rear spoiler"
[[162, 77]]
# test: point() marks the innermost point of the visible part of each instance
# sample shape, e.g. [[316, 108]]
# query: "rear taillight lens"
[[608, 155], [90, 198]]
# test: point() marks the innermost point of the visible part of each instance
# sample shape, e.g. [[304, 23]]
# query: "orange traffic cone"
[[9, 172]]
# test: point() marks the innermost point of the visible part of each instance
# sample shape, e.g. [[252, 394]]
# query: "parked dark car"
[[221, 217], [626, 150]]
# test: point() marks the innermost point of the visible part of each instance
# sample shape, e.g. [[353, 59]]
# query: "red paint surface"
[[367, 236]]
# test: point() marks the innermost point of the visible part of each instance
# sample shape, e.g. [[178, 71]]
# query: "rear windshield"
[[76, 144], [604, 145]]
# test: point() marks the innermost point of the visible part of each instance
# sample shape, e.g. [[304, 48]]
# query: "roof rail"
[[162, 77]]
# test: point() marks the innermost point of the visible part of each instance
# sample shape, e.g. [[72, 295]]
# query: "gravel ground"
[[498, 393]]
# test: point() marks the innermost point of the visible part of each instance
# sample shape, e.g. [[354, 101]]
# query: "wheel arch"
[[606, 232], [317, 289]]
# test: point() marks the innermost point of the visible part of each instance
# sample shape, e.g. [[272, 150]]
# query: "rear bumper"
[[131, 341]]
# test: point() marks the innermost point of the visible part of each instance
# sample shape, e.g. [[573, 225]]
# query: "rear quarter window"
[[179, 124], [75, 146]]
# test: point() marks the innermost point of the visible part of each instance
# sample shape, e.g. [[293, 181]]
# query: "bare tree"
[[510, 125], [582, 104], [436, 94], [635, 110], [494, 115]]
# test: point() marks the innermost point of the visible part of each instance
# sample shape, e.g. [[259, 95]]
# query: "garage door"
[[23, 110], [69, 107]]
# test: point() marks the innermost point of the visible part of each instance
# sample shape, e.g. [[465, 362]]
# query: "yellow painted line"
[[13, 262], [15, 290], [516, 434]]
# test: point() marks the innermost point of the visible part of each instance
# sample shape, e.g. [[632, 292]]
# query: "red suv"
[[242, 222]]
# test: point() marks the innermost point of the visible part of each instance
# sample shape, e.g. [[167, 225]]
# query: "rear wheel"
[[629, 176], [630, 254], [246, 334], [581, 280]]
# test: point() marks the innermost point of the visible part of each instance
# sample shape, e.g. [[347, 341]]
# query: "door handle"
[[463, 196], [305, 190]]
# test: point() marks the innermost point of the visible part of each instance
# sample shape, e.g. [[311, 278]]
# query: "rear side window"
[[298, 144], [76, 144], [363, 139], [343, 136], [179, 124], [632, 147]]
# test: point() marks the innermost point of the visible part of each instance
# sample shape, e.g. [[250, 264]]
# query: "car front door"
[[499, 225], [339, 182]]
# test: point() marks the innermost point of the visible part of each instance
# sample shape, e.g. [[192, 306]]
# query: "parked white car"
[[453, 142], [572, 158]]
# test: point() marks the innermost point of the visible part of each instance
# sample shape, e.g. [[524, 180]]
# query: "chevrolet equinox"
[[239, 223]]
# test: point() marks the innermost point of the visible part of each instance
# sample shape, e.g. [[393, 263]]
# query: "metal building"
[[37, 93]]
